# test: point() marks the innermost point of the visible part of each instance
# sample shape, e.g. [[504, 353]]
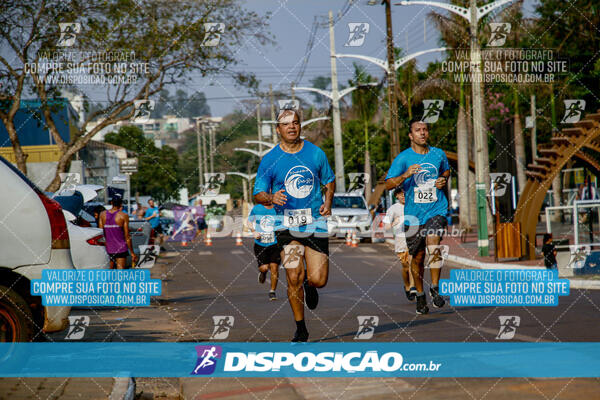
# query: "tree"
[[365, 101], [166, 40], [157, 174]]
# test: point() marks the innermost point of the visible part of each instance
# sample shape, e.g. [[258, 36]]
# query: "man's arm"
[[102, 219], [326, 206], [399, 180], [265, 198], [128, 237], [441, 182]]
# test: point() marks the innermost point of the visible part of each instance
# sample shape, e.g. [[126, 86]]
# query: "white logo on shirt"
[[427, 175], [299, 181], [267, 223]]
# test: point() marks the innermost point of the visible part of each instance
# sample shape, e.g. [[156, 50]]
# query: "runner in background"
[[394, 218], [115, 224], [261, 221], [200, 220], [422, 171], [152, 215]]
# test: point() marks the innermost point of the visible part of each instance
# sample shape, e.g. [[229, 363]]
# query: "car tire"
[[16, 318]]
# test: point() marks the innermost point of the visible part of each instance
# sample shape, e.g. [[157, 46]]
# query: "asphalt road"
[[201, 282]]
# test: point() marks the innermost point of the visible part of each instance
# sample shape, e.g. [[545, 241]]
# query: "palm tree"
[[365, 101]]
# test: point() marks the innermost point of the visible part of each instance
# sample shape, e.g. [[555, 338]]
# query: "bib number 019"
[[294, 218]]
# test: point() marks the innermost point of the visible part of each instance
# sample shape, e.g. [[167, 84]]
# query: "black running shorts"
[[416, 239], [267, 254], [316, 241], [115, 256]]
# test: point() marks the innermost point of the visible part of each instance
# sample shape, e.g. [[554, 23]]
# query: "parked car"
[[88, 247], [349, 213], [33, 237]]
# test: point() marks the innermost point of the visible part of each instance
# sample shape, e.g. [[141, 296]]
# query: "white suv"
[[349, 213], [33, 237]]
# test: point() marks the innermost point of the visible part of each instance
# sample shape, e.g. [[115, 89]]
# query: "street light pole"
[[204, 158], [479, 134], [211, 142], [335, 97], [340, 183], [200, 172], [259, 126], [392, 99], [473, 14]]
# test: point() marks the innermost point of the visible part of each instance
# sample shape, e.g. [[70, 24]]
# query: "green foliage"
[[157, 174], [353, 140], [233, 132]]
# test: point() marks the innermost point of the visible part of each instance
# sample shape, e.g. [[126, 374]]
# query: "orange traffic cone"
[[208, 239], [238, 239], [354, 240], [348, 239]]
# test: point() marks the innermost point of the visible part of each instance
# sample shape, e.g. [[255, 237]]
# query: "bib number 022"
[[425, 195]]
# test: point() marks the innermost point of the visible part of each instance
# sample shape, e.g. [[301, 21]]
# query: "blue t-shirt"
[[423, 199], [300, 175], [154, 221], [264, 219]]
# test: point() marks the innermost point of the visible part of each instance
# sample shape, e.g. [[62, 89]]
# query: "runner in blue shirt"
[[152, 215], [261, 222], [290, 176], [423, 171]]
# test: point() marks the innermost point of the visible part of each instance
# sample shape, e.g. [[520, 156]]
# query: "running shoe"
[[272, 296], [311, 296], [411, 293], [300, 336], [437, 300], [422, 304], [262, 276]]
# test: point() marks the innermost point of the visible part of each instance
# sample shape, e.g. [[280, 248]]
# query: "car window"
[[348, 202], [16, 171]]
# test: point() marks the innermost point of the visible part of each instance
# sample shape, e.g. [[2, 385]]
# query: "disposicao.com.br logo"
[[326, 362]]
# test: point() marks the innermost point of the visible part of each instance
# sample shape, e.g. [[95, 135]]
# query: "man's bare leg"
[[274, 275], [433, 240], [435, 268], [293, 261], [317, 267], [121, 263], [417, 269]]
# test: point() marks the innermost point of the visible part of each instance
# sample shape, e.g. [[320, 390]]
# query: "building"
[[97, 163], [164, 131]]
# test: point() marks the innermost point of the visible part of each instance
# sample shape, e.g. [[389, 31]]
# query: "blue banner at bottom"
[[375, 359]]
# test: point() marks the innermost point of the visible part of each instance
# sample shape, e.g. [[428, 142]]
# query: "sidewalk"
[[466, 255]]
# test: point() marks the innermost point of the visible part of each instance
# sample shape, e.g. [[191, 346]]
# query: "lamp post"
[[392, 100], [473, 14], [391, 75], [200, 154], [334, 95], [245, 183]]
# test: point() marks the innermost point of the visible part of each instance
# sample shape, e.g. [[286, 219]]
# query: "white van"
[[33, 237]]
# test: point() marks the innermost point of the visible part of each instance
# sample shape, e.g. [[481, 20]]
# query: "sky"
[[290, 25]]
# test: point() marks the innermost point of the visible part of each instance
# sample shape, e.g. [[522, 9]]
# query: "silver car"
[[349, 213]]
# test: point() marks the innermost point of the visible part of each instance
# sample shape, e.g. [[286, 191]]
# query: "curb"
[[123, 389], [457, 261]]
